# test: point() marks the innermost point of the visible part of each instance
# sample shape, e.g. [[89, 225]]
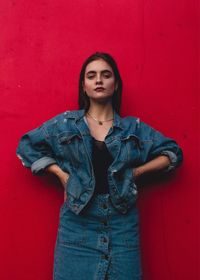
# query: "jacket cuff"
[[173, 160], [39, 165]]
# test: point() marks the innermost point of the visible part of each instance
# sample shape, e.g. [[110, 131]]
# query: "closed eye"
[[105, 73], [91, 76]]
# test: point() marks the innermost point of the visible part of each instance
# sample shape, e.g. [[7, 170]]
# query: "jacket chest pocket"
[[70, 146], [131, 148]]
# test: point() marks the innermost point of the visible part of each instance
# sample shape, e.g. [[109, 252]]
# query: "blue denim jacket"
[[66, 141]]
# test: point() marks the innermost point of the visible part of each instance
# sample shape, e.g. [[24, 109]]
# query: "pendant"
[[100, 123]]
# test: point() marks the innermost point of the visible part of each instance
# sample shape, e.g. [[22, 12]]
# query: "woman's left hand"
[[159, 163], [137, 172]]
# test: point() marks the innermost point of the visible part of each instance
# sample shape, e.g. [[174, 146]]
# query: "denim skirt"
[[100, 243]]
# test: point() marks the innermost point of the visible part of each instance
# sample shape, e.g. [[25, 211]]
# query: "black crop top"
[[101, 159]]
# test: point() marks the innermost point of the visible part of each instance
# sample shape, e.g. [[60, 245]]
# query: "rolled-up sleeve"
[[154, 144], [34, 150]]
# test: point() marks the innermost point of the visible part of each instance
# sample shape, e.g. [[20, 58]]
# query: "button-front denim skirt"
[[100, 243]]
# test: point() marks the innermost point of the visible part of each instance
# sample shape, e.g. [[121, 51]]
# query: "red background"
[[43, 45]]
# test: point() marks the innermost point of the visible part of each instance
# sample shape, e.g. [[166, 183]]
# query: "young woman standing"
[[98, 155]]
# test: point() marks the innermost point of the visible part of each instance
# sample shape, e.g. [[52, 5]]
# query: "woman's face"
[[99, 80]]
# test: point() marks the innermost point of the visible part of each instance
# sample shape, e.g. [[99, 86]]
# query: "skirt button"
[[104, 206], [104, 222], [104, 240]]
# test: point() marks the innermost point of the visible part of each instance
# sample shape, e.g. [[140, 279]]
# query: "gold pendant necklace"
[[98, 121]]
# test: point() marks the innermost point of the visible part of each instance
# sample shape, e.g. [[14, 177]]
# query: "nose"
[[98, 79]]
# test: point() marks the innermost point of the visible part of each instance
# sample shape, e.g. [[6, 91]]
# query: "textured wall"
[[43, 44]]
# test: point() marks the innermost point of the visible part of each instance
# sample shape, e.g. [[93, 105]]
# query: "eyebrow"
[[94, 72]]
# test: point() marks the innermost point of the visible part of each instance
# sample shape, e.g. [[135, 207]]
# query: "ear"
[[116, 86], [83, 86]]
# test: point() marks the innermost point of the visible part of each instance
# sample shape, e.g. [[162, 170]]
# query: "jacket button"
[[105, 257], [124, 211], [114, 189]]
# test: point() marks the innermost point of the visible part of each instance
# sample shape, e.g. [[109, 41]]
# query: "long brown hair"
[[83, 100]]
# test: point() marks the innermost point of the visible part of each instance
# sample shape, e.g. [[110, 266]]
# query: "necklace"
[[99, 122]]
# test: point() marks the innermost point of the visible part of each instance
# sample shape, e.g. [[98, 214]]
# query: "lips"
[[99, 88]]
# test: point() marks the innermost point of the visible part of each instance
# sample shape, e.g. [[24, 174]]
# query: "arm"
[[35, 151], [62, 176], [58, 172], [158, 152], [159, 163]]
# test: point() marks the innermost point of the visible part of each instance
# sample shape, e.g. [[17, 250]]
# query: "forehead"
[[98, 65]]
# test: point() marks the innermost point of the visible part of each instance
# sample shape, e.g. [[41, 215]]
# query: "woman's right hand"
[[63, 179], [62, 176]]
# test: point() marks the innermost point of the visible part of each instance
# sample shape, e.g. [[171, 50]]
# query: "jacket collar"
[[77, 114]]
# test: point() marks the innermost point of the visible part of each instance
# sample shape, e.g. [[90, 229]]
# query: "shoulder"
[[137, 121], [139, 127], [62, 116], [131, 122], [60, 122], [131, 119]]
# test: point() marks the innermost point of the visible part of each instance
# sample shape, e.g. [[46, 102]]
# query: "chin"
[[102, 95], [103, 99]]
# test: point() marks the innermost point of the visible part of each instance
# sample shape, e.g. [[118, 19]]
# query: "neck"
[[101, 111]]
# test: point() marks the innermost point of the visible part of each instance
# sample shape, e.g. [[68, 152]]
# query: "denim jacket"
[[66, 141]]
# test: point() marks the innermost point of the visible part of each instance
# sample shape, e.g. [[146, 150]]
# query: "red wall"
[[43, 45]]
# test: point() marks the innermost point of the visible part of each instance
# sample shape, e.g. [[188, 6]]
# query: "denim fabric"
[[99, 242], [66, 141]]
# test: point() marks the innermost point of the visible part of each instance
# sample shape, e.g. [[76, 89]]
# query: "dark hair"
[[83, 100]]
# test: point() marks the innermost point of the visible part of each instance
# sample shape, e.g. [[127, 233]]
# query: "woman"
[[98, 155]]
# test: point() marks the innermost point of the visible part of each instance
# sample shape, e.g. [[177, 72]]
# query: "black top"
[[101, 160]]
